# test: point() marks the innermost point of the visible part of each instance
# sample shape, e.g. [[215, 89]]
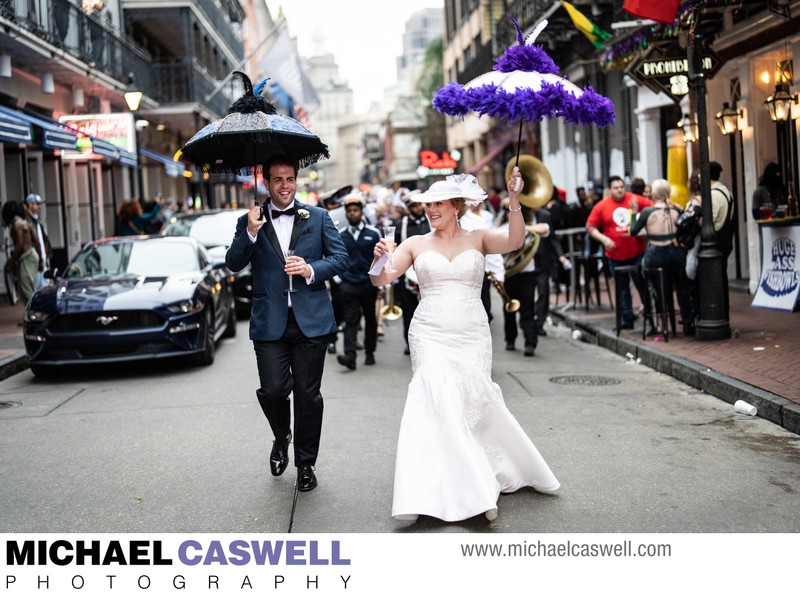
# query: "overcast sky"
[[365, 36]]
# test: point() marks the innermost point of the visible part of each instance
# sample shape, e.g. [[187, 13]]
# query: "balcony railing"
[[89, 38], [189, 83], [231, 32]]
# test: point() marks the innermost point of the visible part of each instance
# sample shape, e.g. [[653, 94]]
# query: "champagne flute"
[[388, 235], [291, 289]]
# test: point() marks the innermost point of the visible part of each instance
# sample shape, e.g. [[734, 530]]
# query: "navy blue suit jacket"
[[314, 239]]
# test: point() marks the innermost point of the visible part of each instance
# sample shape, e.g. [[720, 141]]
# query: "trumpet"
[[390, 311], [509, 304]]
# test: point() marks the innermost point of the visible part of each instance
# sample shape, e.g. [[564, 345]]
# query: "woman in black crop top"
[[663, 251]]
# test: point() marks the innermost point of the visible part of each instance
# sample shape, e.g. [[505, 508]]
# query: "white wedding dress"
[[459, 446]]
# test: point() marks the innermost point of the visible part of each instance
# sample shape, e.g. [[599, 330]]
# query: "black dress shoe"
[[407, 350], [346, 361], [369, 359], [279, 458], [529, 351], [306, 480], [510, 346]]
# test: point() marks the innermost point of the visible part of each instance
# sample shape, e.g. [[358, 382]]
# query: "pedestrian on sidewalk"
[[659, 223], [290, 330], [33, 204], [609, 223], [26, 248], [358, 294]]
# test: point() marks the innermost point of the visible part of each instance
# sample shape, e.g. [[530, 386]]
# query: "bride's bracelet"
[[518, 209]]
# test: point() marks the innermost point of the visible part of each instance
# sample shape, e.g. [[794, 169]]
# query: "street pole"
[[139, 177], [713, 323]]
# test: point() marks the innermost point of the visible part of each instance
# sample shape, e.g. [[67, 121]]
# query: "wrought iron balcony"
[[189, 83], [90, 38]]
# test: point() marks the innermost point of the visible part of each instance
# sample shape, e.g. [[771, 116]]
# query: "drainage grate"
[[584, 380], [9, 404]]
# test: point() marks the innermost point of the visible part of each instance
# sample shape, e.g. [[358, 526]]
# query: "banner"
[[282, 64], [592, 32], [780, 268], [374, 563], [663, 11]]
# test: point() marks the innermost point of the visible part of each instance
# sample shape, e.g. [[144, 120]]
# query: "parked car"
[[214, 229], [128, 299]]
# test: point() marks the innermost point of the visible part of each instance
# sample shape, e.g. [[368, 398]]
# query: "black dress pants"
[[293, 364], [358, 300], [522, 286]]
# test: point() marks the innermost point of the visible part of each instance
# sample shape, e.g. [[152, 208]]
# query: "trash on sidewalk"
[[632, 359], [758, 348], [745, 408], [577, 334]]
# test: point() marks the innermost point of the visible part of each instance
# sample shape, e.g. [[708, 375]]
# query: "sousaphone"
[[538, 188]]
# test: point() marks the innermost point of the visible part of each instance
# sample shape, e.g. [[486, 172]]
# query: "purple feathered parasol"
[[525, 86]]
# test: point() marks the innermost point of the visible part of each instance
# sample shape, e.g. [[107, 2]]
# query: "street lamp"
[[133, 97], [713, 323], [780, 104], [689, 127]]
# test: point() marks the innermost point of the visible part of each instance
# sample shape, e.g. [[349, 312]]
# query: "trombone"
[[509, 304], [390, 311]]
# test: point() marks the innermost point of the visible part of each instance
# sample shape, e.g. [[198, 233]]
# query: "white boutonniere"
[[303, 214]]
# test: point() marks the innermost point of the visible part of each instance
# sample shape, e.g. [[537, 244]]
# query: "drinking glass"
[[765, 211], [388, 234], [291, 289]]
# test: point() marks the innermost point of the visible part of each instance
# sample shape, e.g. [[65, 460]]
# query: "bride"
[[459, 446]]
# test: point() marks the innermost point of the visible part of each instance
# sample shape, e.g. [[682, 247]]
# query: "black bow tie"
[[277, 213]]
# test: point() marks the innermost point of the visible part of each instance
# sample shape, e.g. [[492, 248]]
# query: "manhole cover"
[[9, 404], [584, 380]]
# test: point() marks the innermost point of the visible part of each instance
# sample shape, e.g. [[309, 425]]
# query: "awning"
[[55, 135], [13, 129], [104, 148], [171, 167], [127, 158]]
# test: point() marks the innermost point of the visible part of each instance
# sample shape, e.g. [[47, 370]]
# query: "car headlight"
[[32, 315], [184, 307]]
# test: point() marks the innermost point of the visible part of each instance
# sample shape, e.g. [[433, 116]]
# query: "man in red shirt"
[[608, 223]]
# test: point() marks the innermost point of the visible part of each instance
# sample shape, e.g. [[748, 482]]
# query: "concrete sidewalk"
[[759, 364]]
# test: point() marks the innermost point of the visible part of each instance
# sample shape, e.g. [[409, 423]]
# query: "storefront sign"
[[435, 163], [665, 69], [780, 268], [116, 128]]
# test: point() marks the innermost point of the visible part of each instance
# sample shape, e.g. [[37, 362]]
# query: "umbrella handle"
[[519, 180]]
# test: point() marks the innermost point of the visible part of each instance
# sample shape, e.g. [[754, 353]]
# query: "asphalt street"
[[170, 447]]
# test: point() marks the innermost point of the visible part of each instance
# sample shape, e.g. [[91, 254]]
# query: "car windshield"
[[210, 230], [140, 258]]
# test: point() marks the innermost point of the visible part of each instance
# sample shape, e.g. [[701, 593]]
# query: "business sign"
[[665, 69], [437, 163], [116, 128], [780, 269]]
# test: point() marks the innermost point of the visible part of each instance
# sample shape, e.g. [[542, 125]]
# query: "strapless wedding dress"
[[459, 446]]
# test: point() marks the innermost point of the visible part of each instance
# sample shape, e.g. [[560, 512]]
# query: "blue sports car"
[[131, 298]]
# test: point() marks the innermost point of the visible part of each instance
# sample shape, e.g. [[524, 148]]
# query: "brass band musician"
[[527, 278]]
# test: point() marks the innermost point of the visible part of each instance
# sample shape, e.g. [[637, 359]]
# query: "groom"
[[290, 331]]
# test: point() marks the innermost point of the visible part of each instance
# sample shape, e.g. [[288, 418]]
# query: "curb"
[[772, 407], [13, 364]]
